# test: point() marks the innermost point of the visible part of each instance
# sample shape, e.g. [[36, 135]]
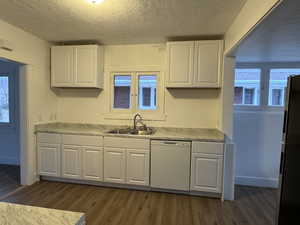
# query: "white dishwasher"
[[170, 165]]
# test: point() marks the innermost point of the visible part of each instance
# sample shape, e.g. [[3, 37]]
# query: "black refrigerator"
[[288, 208]]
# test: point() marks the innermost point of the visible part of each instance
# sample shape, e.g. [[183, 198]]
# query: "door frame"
[[25, 161]]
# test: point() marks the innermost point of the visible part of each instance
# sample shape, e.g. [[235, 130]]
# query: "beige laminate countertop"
[[14, 214], [162, 133]]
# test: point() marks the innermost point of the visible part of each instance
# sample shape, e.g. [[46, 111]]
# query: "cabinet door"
[[180, 64], [207, 172], [62, 62], [114, 165], [92, 163], [85, 65], [49, 159], [208, 55], [71, 161], [137, 167]]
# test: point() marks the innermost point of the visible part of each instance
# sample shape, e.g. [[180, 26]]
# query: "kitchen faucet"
[[136, 121]]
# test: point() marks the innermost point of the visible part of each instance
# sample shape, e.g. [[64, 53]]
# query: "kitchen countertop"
[[14, 214], [162, 133]]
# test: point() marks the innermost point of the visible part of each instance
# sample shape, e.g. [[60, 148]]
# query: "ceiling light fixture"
[[95, 1]]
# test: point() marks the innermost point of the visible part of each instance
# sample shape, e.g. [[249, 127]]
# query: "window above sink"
[[136, 92]]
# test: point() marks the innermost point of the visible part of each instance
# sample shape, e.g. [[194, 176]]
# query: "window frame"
[[248, 106], [141, 88], [11, 101], [264, 84], [112, 84], [127, 114]]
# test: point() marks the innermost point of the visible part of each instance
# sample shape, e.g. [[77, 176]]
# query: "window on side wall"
[[136, 92], [247, 87], [277, 85], [4, 100]]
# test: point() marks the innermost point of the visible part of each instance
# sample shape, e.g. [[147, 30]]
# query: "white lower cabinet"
[[122, 160], [92, 163], [49, 159], [71, 161], [207, 167], [126, 160], [114, 165], [137, 169], [49, 154]]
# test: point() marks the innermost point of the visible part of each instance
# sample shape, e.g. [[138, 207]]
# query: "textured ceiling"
[[276, 39], [120, 21]]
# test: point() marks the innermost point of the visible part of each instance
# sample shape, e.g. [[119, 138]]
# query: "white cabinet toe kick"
[[133, 163]]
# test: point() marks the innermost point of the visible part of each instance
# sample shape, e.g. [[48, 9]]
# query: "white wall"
[[10, 134], [183, 108], [257, 136], [251, 14], [38, 102]]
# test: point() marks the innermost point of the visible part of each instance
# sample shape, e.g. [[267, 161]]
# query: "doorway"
[[264, 61], [10, 178]]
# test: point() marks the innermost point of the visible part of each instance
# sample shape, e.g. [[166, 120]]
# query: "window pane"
[[277, 85], [277, 96], [122, 86], [147, 92], [249, 96], [146, 96], [4, 100], [247, 87], [238, 95]]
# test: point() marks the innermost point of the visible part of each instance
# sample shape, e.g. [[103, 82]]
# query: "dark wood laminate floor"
[[109, 206], [9, 179]]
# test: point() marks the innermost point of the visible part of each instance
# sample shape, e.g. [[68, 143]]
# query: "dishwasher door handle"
[[170, 143]]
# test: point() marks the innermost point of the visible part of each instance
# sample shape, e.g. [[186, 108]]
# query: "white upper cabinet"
[[77, 66], [180, 63], [62, 70], [194, 64], [208, 63]]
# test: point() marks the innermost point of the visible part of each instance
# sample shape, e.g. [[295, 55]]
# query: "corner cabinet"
[[194, 64], [77, 66]]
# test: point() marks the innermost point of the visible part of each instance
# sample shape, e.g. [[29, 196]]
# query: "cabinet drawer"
[[208, 148], [49, 138], [132, 143], [83, 140]]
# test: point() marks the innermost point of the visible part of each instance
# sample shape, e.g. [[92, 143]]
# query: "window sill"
[[125, 116]]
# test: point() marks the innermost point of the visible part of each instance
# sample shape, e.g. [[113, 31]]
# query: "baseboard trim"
[[11, 193], [257, 181], [9, 161], [130, 187]]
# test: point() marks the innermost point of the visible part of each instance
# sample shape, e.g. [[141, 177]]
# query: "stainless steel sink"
[[132, 131]]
